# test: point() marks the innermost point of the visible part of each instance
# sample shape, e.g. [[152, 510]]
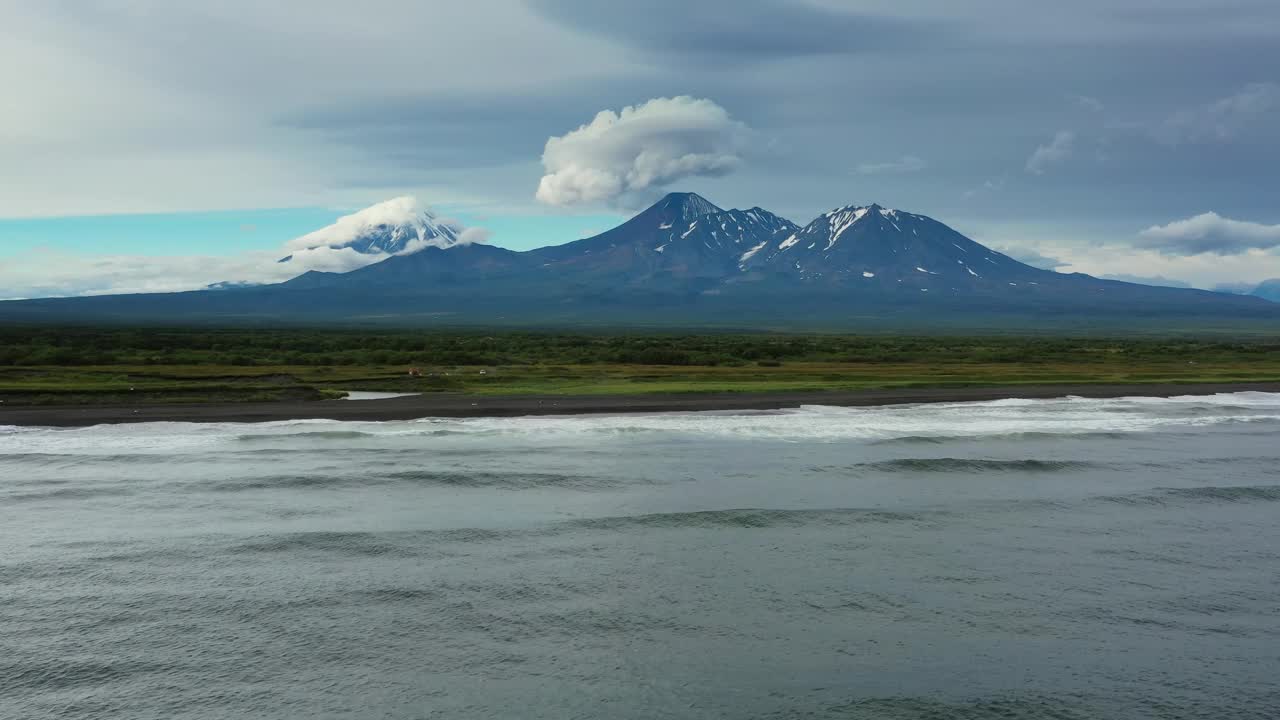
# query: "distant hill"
[[685, 262], [1268, 290]]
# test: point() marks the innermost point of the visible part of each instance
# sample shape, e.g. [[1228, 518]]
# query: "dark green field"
[[142, 366]]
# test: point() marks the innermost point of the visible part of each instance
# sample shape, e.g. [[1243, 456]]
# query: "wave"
[[1238, 493], [340, 543], [508, 480], [457, 479], [970, 465], [64, 673], [285, 482], [411, 543], [902, 423], [751, 518], [911, 708], [1030, 435], [1205, 494], [310, 435], [65, 493]]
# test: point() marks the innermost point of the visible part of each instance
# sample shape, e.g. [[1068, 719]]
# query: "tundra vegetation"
[[43, 366]]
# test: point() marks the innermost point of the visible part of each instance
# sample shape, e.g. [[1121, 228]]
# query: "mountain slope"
[[1268, 290], [872, 246], [684, 262], [682, 239], [428, 267]]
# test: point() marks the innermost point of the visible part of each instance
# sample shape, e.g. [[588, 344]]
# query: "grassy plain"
[[83, 366]]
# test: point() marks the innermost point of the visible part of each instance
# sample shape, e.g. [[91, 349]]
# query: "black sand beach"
[[459, 405]]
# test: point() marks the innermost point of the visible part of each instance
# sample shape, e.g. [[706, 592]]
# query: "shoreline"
[[460, 406]]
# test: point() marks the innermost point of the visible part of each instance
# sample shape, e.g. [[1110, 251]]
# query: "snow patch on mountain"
[[842, 220], [398, 226]]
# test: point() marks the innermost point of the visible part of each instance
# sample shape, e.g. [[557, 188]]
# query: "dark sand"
[[456, 405]]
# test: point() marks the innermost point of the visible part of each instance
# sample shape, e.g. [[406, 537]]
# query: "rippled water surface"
[[1015, 559]]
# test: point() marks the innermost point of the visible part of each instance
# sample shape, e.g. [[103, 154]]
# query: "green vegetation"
[[73, 366]]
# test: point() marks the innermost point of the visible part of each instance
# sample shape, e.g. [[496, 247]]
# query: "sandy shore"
[[454, 405]]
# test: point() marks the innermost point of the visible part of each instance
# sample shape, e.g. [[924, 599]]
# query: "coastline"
[[460, 405]]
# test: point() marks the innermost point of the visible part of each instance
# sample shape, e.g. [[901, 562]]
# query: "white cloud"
[[406, 212], [474, 235], [1209, 233], [991, 185], [138, 107], [48, 273], [1101, 250], [1224, 119], [904, 164], [1201, 271], [1033, 257], [1235, 288], [640, 150], [1157, 280], [1092, 104], [1051, 153]]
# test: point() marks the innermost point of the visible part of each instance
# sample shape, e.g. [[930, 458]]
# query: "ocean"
[[1063, 559]]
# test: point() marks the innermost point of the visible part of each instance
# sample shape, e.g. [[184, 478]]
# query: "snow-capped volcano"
[[682, 237], [681, 262], [396, 227], [873, 244]]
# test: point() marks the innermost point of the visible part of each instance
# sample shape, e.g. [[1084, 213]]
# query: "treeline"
[[239, 347]]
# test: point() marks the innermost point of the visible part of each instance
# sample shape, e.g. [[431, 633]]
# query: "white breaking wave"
[[1066, 416]]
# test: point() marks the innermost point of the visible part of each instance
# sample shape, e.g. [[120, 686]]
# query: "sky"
[[167, 144]]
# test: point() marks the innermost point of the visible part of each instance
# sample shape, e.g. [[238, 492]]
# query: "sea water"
[[1016, 559]]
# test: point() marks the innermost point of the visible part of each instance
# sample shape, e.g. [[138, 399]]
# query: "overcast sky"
[[1125, 137]]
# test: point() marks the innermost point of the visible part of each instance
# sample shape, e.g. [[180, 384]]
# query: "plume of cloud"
[[904, 164], [1034, 258], [1088, 102], [1235, 288], [1156, 280], [1052, 152], [474, 235], [1221, 120], [990, 185], [640, 150], [1209, 233]]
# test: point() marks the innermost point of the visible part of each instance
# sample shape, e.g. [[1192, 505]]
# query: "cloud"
[[1224, 119], [751, 30], [1088, 102], [404, 210], [1052, 153], [137, 106], [904, 164], [640, 150], [41, 272], [1157, 280], [1033, 258], [474, 235], [990, 185], [1235, 288], [1201, 271], [48, 273], [1209, 233]]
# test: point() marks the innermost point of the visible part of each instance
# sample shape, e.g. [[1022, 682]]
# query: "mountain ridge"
[[686, 260]]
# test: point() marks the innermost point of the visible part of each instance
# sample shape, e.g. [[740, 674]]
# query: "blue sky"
[[1126, 137], [231, 232]]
